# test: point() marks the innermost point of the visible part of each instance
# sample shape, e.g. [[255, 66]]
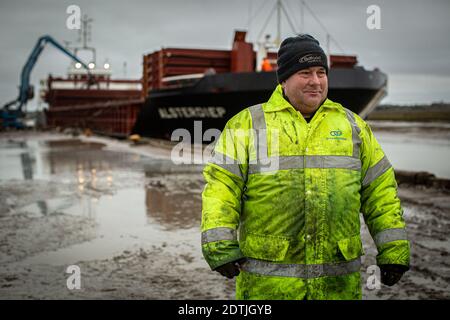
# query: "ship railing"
[[182, 80]]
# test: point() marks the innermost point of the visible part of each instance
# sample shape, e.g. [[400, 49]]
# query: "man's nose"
[[314, 79]]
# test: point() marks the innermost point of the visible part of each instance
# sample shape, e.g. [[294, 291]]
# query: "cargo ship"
[[182, 87], [186, 85]]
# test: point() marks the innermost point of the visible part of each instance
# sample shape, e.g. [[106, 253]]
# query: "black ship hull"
[[214, 99]]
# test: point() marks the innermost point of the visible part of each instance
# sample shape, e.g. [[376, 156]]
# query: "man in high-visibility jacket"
[[285, 187]]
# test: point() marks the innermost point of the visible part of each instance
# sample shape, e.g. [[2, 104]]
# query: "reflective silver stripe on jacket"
[[218, 234], [332, 162], [227, 163], [302, 162], [389, 235], [355, 133], [298, 162], [377, 170], [284, 163], [305, 271], [259, 125]]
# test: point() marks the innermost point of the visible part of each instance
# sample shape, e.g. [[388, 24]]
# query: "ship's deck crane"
[[12, 111]]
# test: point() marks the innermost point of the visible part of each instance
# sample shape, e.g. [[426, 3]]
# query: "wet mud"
[[130, 220]]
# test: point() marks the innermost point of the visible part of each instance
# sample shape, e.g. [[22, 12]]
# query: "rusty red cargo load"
[[161, 65], [108, 107], [113, 118], [68, 92], [174, 62], [242, 55]]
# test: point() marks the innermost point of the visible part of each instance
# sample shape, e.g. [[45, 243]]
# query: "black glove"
[[392, 273], [230, 269]]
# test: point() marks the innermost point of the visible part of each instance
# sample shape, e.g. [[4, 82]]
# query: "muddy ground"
[[129, 219]]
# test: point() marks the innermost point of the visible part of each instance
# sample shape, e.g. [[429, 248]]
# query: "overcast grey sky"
[[412, 46]]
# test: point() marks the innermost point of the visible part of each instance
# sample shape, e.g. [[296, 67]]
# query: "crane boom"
[[9, 117]]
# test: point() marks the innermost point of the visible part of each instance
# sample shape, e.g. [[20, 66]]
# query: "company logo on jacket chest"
[[336, 135]]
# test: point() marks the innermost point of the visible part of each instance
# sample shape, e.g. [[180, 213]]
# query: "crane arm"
[[24, 91]]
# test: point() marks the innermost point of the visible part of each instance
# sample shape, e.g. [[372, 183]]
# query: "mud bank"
[[129, 219]]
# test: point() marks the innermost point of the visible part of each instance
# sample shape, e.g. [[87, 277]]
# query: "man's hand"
[[392, 273], [230, 269]]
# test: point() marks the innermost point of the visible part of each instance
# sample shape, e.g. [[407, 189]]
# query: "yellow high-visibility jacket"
[[287, 195]]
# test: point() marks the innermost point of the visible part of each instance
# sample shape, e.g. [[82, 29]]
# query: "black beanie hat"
[[297, 53]]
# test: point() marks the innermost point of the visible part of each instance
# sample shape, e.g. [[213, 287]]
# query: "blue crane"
[[9, 115]]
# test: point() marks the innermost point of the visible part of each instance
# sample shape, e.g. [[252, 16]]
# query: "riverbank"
[[436, 112]]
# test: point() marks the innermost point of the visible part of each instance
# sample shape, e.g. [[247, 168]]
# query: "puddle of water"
[[416, 154], [63, 144], [45, 159], [178, 210], [110, 189], [124, 222], [48, 207]]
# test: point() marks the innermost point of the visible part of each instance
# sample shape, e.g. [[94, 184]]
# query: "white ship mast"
[[85, 35], [267, 44]]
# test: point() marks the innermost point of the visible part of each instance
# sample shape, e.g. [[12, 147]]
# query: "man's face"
[[307, 88]]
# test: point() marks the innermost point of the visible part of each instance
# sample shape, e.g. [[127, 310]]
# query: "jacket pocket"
[[265, 247], [351, 248]]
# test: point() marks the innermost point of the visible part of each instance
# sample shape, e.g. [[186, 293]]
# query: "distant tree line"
[[438, 111]]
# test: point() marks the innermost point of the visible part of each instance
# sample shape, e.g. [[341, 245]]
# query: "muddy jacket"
[[287, 195]]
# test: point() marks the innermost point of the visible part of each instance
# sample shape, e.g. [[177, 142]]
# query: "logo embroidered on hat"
[[310, 58]]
